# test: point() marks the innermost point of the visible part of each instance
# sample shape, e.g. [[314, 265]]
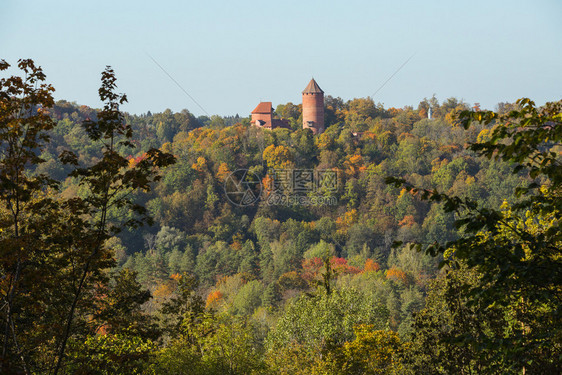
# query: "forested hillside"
[[200, 231], [321, 279]]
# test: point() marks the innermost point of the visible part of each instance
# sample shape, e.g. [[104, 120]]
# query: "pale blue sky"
[[229, 55]]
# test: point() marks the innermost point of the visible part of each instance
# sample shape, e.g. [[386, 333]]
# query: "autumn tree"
[[53, 247], [110, 182], [23, 132], [373, 352], [515, 248]]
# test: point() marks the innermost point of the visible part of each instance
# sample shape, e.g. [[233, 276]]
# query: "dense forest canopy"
[[324, 279]]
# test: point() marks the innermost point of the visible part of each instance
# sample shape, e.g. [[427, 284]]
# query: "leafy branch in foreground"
[[517, 249], [53, 258], [108, 182], [23, 204]]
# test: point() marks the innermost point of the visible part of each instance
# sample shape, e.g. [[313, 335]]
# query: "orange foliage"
[[354, 165], [313, 267], [369, 135], [237, 241], [134, 161], [402, 192], [102, 330], [200, 165], [223, 172], [371, 265], [356, 159], [407, 221], [437, 163], [393, 111], [213, 298], [164, 290], [397, 274], [345, 221], [340, 266], [451, 149], [267, 183], [426, 145], [168, 287], [453, 117]]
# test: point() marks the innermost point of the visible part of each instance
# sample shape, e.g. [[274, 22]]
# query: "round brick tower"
[[313, 108]]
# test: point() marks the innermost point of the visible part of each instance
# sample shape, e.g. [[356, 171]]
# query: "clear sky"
[[229, 55]]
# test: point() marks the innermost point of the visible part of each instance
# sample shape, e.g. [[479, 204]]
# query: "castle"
[[312, 111]]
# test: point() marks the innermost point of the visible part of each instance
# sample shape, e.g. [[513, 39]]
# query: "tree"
[[216, 345], [373, 352], [278, 157], [122, 307], [110, 182], [53, 247], [185, 308], [324, 320], [113, 353], [448, 317], [23, 131], [248, 298], [515, 249]]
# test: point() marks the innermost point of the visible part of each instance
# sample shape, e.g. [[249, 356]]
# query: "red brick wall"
[[313, 110], [263, 117]]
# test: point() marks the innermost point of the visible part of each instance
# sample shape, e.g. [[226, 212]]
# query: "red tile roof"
[[263, 107]]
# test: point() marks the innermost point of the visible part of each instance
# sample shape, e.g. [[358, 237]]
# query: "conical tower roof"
[[312, 88]]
